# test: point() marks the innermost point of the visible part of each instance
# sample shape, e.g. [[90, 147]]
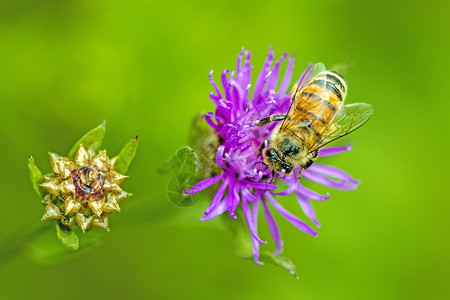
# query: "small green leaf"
[[281, 261], [35, 176], [126, 156], [183, 168], [91, 140], [67, 237], [184, 161], [46, 249], [176, 187]]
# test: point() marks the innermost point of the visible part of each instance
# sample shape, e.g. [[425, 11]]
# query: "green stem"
[[139, 213], [16, 242]]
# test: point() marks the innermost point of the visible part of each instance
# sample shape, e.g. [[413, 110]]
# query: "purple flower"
[[244, 180]]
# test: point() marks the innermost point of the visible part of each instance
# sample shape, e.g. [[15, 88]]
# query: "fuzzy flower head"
[[245, 181]]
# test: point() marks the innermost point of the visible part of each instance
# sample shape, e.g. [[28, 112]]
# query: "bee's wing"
[[294, 118], [317, 69], [354, 116]]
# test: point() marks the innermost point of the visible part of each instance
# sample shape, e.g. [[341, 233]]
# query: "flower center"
[[88, 183]]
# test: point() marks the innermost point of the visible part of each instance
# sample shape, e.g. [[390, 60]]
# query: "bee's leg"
[[332, 128], [303, 124], [273, 177], [263, 145], [267, 120], [261, 162]]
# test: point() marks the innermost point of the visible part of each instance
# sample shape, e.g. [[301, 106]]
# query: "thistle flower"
[[243, 179], [83, 187]]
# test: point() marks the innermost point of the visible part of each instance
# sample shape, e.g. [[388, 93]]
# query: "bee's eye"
[[270, 153]]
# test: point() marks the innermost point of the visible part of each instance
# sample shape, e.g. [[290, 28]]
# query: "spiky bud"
[[84, 191], [83, 188]]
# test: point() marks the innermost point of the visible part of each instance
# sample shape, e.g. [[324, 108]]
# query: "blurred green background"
[[143, 67]]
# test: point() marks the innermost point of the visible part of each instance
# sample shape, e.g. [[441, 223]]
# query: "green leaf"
[[35, 176], [46, 249], [126, 156], [91, 140], [67, 237], [183, 168], [184, 161], [281, 261], [176, 187]]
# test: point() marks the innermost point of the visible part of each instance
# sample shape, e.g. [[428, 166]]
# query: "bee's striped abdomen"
[[322, 97]]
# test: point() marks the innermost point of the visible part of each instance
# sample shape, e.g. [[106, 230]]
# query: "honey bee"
[[317, 116]]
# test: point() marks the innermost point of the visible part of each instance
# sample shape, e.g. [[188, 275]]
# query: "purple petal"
[[287, 76], [249, 196], [273, 228], [332, 172], [224, 80], [233, 196], [223, 109], [292, 187], [333, 150], [272, 84], [245, 76], [199, 186], [218, 196], [323, 180], [208, 119], [249, 219], [262, 77], [307, 208], [216, 88], [219, 156], [255, 250], [218, 210], [290, 217], [226, 84], [215, 99], [237, 95], [292, 181], [311, 194], [239, 60], [255, 225], [261, 185]]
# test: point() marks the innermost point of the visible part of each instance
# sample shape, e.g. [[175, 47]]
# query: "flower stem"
[[16, 242]]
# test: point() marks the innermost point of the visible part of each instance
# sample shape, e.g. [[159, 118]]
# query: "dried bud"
[[83, 191], [83, 187]]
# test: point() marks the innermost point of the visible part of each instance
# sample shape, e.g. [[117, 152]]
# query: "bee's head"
[[275, 162]]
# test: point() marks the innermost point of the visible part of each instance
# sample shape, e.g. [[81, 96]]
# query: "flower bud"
[[83, 191]]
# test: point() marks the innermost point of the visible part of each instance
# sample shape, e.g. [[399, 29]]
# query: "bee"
[[317, 116]]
